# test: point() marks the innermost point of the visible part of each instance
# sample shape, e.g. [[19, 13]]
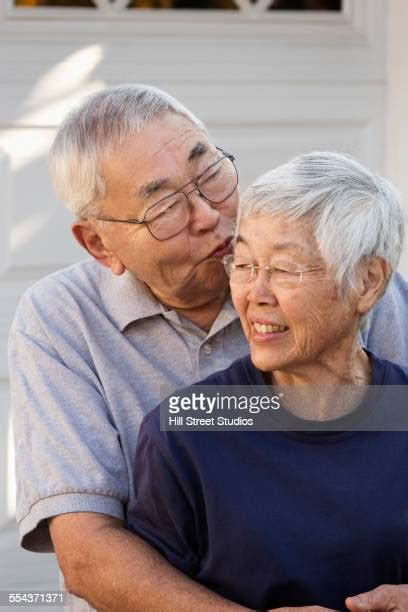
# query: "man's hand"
[[385, 598]]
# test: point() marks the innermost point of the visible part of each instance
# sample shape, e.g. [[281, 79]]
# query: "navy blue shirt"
[[272, 519]]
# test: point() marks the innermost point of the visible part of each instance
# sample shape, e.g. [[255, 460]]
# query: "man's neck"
[[203, 316]]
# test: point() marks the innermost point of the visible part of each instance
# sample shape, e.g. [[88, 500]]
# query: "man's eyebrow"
[[199, 149], [147, 190]]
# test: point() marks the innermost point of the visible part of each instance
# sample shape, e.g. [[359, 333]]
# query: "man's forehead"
[[164, 153], [146, 189], [172, 130], [168, 133], [192, 144]]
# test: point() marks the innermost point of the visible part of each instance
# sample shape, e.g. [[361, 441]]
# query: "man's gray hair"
[[100, 124], [355, 214]]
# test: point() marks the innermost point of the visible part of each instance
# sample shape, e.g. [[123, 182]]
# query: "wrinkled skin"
[[179, 271], [322, 327], [385, 598]]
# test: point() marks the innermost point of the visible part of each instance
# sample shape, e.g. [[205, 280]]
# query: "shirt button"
[[207, 349]]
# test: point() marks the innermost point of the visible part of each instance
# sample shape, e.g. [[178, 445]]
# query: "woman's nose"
[[261, 290]]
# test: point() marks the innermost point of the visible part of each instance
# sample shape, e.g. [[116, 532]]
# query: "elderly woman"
[[294, 517]]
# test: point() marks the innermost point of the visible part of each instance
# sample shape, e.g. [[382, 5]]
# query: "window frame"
[[118, 11], [350, 25]]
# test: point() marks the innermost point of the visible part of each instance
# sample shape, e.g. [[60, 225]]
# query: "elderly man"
[[94, 347]]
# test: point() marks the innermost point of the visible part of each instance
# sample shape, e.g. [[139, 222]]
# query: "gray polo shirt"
[[90, 354]]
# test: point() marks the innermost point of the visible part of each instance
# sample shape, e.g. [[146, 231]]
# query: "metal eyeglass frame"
[[143, 221], [228, 262]]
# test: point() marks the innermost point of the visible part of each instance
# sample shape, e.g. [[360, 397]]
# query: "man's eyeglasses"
[[170, 215], [286, 275]]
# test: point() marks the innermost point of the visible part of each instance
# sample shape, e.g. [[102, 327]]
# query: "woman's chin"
[[267, 360]]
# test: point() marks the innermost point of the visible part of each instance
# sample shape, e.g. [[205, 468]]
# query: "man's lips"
[[225, 248]]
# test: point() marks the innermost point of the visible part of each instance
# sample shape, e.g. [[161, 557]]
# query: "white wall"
[[269, 85]]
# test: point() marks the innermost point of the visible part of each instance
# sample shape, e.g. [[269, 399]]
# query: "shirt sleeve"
[[68, 451], [386, 331], [164, 511]]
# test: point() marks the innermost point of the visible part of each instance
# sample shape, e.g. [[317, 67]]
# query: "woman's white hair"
[[355, 214], [100, 124]]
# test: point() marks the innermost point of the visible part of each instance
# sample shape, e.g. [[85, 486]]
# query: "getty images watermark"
[[201, 409], [286, 408]]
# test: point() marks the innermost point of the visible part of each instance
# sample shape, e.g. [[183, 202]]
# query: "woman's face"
[[288, 323]]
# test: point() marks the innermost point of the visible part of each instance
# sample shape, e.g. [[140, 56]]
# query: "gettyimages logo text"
[[207, 404]]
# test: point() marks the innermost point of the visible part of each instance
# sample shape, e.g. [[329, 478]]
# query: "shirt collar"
[[126, 298], [227, 315]]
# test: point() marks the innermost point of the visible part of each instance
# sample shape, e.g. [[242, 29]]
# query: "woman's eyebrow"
[[277, 246], [282, 246]]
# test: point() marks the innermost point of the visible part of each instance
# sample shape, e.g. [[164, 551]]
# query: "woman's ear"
[[88, 236], [374, 274]]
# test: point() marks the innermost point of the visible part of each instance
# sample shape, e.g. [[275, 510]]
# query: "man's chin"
[[205, 286], [213, 279]]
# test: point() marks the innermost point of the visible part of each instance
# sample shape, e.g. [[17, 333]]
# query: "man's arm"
[[71, 466], [115, 570]]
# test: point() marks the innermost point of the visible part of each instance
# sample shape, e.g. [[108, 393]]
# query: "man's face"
[[168, 153]]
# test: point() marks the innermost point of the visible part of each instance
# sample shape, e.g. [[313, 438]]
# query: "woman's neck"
[[329, 387]]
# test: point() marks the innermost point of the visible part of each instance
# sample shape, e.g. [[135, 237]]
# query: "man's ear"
[[86, 233], [374, 274]]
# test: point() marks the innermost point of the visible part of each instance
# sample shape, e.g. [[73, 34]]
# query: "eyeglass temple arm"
[[134, 221], [224, 152]]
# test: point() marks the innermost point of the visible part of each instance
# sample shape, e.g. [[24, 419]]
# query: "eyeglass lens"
[[171, 215], [219, 181], [285, 278]]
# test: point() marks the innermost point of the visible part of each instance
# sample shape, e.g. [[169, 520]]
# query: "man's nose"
[[203, 216]]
